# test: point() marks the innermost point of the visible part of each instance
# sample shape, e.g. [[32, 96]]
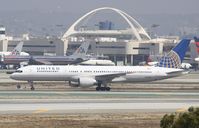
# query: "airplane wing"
[[176, 73], [78, 61], [108, 77], [38, 61], [43, 62]]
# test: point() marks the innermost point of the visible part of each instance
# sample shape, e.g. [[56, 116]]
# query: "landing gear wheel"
[[103, 88], [31, 85], [108, 88], [18, 86], [32, 88], [97, 88]]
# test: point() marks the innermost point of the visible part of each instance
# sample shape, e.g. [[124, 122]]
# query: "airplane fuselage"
[[62, 60], [72, 73], [10, 53]]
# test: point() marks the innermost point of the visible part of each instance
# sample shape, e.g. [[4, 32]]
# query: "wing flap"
[[108, 77], [39, 61], [174, 72], [177, 73]]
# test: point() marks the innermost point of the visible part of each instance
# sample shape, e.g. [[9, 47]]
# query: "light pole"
[[154, 26]]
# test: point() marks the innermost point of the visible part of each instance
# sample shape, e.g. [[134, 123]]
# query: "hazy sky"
[[83, 6], [42, 16]]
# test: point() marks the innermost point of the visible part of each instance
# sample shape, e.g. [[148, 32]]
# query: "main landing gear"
[[100, 88], [31, 85]]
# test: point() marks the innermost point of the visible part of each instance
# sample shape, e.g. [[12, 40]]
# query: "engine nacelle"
[[73, 84], [83, 82]]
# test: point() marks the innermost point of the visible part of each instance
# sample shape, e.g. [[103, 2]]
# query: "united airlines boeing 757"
[[87, 76]]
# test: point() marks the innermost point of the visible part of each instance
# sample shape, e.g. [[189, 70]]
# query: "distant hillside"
[[56, 23]]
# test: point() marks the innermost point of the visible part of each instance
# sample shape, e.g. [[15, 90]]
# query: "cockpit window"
[[19, 71]]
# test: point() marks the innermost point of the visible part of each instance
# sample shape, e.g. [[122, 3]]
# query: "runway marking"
[[182, 109], [40, 111]]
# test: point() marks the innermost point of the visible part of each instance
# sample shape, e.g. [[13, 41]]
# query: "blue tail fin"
[[175, 57]]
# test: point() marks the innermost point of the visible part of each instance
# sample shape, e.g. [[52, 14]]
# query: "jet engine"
[[83, 82]]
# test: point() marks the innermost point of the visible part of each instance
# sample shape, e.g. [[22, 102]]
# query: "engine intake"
[[83, 82]]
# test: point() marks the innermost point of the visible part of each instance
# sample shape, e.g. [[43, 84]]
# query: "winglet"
[[17, 50], [175, 57]]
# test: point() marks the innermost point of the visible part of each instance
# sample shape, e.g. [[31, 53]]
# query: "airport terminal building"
[[128, 46]]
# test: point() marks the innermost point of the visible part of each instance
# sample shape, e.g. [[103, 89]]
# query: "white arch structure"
[[137, 29]]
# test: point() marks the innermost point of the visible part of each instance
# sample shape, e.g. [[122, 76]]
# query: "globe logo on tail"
[[172, 60], [175, 57]]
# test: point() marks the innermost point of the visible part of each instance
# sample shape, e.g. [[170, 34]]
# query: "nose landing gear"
[[31, 85]]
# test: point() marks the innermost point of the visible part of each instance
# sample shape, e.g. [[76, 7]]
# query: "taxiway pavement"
[[22, 102]]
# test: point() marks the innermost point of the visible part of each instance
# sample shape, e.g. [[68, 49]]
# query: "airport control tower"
[[2, 32], [3, 39]]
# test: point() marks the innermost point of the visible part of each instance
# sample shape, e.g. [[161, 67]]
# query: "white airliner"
[[87, 76], [16, 51]]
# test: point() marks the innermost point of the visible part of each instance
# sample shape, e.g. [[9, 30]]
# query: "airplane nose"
[[13, 76]]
